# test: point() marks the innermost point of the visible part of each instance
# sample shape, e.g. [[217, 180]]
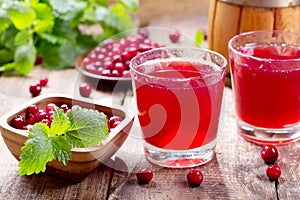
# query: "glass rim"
[[221, 67], [233, 49]]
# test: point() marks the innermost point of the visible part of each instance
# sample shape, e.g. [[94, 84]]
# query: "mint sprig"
[[80, 127]]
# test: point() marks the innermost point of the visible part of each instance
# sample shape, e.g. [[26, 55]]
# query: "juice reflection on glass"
[[178, 103], [266, 82]]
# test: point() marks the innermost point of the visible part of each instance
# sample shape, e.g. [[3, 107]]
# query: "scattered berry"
[[85, 89], [195, 177], [35, 89], [38, 60], [269, 153], [175, 36], [144, 175], [273, 172], [43, 81]]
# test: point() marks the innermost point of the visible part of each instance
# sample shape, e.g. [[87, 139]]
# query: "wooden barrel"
[[230, 17]]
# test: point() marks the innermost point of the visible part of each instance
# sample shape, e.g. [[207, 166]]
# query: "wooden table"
[[236, 172]]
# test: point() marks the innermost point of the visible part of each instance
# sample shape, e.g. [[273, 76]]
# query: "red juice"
[[179, 114], [267, 90]]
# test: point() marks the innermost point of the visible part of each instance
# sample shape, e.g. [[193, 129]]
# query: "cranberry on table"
[[195, 177], [144, 175], [43, 81], [19, 122], [273, 172], [175, 36], [35, 89], [85, 89], [269, 153]]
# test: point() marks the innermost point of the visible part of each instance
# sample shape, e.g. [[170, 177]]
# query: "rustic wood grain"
[[288, 19], [225, 26], [253, 18]]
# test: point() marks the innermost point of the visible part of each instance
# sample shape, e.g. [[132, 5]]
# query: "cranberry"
[[120, 67], [144, 175], [41, 115], [27, 127], [32, 119], [46, 121], [32, 109], [38, 60], [18, 122], [85, 89], [269, 153], [43, 81], [50, 107], [143, 32], [65, 107], [106, 72], [115, 73], [195, 177], [175, 36], [273, 172], [35, 89], [126, 73]]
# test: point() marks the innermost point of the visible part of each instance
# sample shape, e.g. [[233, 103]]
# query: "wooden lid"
[[265, 3]]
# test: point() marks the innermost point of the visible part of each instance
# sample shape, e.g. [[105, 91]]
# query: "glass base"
[[179, 158], [264, 136]]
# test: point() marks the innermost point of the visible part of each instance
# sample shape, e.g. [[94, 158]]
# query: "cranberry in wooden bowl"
[[83, 160]]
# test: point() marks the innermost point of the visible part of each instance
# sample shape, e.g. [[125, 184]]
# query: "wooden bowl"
[[83, 160]]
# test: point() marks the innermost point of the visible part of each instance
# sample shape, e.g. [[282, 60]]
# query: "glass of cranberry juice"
[[178, 92], [265, 68]]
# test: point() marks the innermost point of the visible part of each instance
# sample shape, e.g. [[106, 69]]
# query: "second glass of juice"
[[179, 92], [265, 67]]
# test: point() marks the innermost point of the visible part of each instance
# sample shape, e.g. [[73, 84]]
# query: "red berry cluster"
[[36, 88], [194, 177], [112, 58], [34, 115], [269, 154]]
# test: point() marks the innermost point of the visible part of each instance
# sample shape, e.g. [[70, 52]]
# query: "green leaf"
[[4, 21], [45, 19], [8, 37], [88, 127], [37, 150], [199, 37], [23, 37], [6, 56], [24, 58], [22, 16], [124, 19], [60, 122], [61, 149], [132, 5]]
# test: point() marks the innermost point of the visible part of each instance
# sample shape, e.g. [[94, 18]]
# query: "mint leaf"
[[61, 149], [60, 123], [22, 16], [44, 18], [88, 127], [24, 58], [37, 150]]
